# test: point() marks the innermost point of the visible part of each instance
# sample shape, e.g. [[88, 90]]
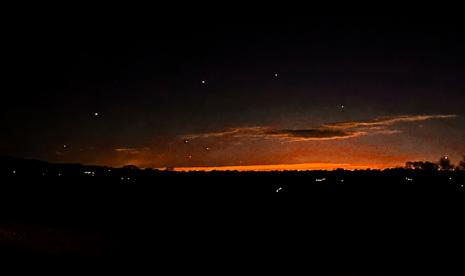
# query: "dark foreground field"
[[340, 222]]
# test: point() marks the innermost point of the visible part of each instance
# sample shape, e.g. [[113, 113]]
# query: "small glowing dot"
[[203, 82], [14, 172], [96, 114], [190, 156], [207, 148], [186, 141], [276, 75], [59, 174], [65, 146], [279, 189]]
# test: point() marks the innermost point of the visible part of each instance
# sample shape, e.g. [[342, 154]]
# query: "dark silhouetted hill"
[[352, 219]]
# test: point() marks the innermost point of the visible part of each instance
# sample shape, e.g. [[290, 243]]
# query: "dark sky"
[[190, 92]]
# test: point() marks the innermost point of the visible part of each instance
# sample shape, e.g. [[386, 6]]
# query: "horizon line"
[[285, 167]]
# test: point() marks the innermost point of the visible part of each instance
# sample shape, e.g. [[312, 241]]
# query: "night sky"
[[312, 92]]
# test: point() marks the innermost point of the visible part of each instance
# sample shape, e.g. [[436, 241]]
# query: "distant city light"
[[320, 179], [279, 189]]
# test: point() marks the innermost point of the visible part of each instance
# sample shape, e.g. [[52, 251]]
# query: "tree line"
[[444, 164]]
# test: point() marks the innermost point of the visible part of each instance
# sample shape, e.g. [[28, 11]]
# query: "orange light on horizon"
[[287, 167]]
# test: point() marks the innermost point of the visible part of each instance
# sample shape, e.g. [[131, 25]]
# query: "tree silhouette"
[[445, 164], [462, 164], [130, 167], [422, 165]]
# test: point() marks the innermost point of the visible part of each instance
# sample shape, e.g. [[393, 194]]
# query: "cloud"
[[388, 121], [311, 134], [333, 131], [128, 150]]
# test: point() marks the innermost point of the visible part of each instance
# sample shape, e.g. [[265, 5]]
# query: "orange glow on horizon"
[[288, 167]]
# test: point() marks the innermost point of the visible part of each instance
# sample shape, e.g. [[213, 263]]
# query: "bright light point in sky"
[[96, 114], [203, 82], [276, 75]]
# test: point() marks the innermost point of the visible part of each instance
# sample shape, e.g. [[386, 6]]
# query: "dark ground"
[[342, 223]]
